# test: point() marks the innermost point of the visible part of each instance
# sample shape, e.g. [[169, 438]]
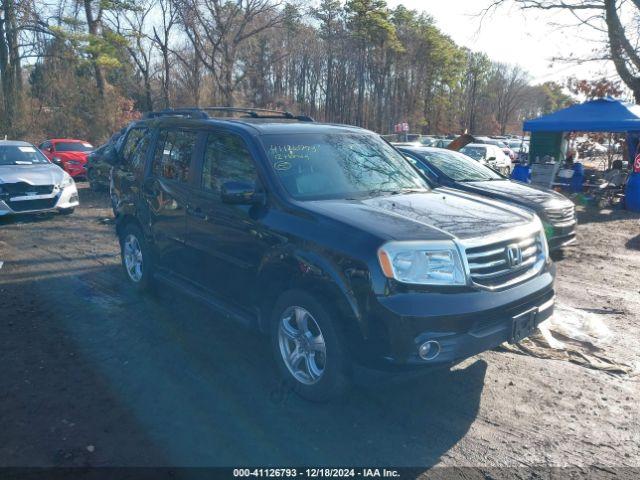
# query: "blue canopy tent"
[[602, 115]]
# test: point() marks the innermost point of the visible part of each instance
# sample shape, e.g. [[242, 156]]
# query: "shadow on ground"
[[162, 381], [633, 243]]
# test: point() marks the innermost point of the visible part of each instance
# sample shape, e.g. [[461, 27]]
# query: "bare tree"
[[218, 28], [508, 86], [603, 17], [132, 24], [94, 11], [161, 36]]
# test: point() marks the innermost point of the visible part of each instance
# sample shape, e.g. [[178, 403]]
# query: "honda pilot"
[[326, 239]]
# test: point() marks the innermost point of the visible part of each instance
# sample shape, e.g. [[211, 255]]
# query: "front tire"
[[309, 347], [137, 260]]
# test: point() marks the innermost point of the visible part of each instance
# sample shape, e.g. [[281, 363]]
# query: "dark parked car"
[[452, 169], [325, 238], [98, 169], [98, 166]]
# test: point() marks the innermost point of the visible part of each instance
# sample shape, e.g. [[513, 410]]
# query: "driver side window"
[[226, 159]]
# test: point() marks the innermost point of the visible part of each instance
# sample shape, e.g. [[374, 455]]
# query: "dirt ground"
[[95, 375]]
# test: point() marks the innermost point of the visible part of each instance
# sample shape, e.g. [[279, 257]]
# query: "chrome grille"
[[22, 188], [559, 216], [506, 262]]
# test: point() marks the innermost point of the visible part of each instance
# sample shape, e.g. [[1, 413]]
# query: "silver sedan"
[[29, 183]]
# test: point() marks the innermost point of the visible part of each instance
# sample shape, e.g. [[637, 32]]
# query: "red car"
[[70, 154]]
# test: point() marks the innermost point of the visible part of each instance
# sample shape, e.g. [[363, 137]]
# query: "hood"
[[523, 194], [437, 215], [43, 174], [79, 156]]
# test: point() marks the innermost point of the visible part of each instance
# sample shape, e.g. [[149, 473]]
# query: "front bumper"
[[464, 324], [59, 199], [559, 236], [75, 170]]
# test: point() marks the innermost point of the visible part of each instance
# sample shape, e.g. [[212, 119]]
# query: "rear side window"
[[172, 158], [226, 159]]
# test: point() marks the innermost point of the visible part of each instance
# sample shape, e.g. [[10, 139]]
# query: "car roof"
[[71, 140], [14, 143], [483, 145], [255, 126], [407, 144], [418, 149]]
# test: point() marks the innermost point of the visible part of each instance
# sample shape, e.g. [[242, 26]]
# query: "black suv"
[[327, 239]]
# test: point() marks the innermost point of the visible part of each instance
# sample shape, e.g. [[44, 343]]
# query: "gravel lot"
[[95, 375]]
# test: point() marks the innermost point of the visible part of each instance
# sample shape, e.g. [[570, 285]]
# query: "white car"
[[30, 183], [489, 155]]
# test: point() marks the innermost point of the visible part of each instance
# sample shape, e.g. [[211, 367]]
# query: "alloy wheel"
[[302, 345], [133, 258]]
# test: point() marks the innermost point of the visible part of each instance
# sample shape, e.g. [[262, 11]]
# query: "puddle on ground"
[[573, 335]]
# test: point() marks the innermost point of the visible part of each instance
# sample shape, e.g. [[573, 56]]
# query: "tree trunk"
[[10, 72], [617, 48], [93, 24]]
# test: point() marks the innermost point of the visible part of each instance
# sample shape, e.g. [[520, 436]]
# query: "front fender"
[[332, 280]]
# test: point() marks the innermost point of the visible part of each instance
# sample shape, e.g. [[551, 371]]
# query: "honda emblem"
[[514, 255]]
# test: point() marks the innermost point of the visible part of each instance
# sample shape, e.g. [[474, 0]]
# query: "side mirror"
[[240, 193], [112, 156]]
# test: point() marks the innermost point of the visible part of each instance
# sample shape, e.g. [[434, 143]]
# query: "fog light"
[[429, 350]]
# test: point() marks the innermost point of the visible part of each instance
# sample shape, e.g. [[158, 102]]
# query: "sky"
[[509, 35]]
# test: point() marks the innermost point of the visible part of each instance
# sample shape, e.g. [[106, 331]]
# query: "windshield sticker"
[[292, 152], [282, 165], [27, 149]]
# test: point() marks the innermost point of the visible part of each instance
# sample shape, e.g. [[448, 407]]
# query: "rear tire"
[[137, 258], [309, 347]]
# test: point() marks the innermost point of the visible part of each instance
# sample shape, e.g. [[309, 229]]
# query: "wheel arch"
[[316, 276]]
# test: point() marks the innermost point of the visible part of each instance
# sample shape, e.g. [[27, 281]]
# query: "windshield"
[[477, 153], [21, 155], [73, 147], [457, 167], [347, 165]]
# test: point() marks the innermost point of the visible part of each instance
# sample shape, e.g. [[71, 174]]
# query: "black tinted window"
[[73, 147], [131, 152], [172, 157], [457, 166], [139, 155], [226, 159]]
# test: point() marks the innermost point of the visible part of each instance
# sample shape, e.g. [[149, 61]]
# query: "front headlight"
[[67, 181], [422, 263]]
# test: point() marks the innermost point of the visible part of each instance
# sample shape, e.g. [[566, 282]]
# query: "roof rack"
[[201, 113], [178, 112]]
